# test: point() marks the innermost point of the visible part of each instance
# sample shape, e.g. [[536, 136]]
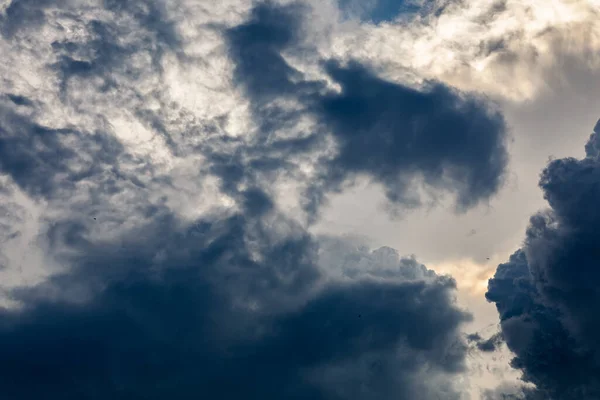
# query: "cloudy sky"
[[308, 199]]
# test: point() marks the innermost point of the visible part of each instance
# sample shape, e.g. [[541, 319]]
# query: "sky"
[[299, 199]]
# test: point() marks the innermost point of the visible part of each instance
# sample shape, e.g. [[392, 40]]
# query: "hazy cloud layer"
[[546, 294]]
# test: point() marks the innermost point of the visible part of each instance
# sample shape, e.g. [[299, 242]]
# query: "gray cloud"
[[239, 301], [400, 136], [486, 345], [546, 294], [396, 134]]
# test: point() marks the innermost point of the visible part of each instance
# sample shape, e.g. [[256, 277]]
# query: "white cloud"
[[507, 49]]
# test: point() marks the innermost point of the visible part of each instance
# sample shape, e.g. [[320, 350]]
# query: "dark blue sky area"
[[377, 11]]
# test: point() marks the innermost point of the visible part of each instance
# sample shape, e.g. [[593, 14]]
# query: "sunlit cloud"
[[510, 49]]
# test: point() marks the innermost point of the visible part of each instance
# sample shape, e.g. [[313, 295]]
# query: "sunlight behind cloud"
[[472, 277]]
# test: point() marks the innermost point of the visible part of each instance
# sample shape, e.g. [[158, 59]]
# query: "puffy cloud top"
[[547, 294]]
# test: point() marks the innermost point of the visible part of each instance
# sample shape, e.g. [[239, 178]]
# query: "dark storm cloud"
[[449, 140], [395, 134], [257, 44], [378, 11], [239, 305], [166, 313], [234, 307], [547, 294]]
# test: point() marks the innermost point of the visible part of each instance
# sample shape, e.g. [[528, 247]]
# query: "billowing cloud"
[[486, 345], [546, 294], [234, 306], [398, 135], [148, 145]]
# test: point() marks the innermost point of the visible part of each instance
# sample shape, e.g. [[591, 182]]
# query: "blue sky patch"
[[377, 11]]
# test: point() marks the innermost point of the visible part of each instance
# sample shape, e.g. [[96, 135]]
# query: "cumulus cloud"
[[546, 293], [144, 150], [238, 306]]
